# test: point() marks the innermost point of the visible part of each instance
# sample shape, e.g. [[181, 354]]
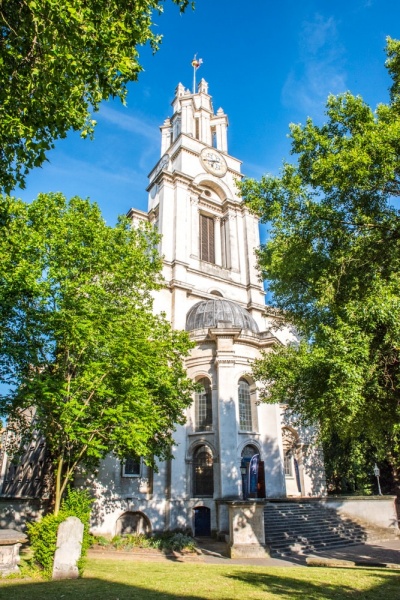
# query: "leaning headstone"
[[69, 548], [10, 543]]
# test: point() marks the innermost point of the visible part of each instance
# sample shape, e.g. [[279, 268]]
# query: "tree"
[[79, 340], [59, 60], [332, 260]]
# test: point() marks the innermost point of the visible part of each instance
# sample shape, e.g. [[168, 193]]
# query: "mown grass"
[[123, 580]]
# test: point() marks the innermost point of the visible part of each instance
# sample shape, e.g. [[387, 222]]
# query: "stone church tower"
[[231, 446], [213, 291]]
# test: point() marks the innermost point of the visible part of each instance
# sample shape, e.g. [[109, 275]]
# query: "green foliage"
[[59, 60], [177, 541], [43, 539], [332, 261], [78, 503], [43, 534], [167, 542], [79, 340]]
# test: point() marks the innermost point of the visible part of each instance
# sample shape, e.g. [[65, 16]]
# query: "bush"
[[176, 541], [43, 534], [167, 542]]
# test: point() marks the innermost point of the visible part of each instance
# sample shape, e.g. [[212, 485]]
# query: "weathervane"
[[196, 63]]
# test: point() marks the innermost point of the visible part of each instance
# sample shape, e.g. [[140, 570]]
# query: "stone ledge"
[[9, 537], [248, 551], [337, 563]]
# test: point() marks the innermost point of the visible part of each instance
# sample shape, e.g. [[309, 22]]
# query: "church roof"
[[208, 313]]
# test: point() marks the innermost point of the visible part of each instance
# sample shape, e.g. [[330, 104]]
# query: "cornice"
[[143, 215], [211, 205], [182, 285]]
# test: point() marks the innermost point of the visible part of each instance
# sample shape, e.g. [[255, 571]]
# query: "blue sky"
[[267, 64]]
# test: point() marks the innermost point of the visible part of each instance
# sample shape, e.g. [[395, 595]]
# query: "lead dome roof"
[[208, 313]]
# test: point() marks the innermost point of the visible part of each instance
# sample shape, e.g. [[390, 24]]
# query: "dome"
[[209, 313]]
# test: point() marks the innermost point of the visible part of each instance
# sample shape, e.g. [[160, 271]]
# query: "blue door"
[[202, 521]]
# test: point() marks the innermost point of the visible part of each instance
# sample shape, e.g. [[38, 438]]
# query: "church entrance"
[[202, 521], [253, 481]]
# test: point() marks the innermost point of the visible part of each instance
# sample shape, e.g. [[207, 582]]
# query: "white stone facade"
[[208, 245]]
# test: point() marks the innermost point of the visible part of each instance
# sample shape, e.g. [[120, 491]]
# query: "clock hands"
[[213, 162]]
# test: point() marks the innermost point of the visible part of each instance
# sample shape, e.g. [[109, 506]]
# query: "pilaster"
[[230, 479]]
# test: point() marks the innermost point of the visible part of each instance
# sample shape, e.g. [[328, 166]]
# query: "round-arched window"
[[249, 451], [245, 416], [203, 406], [203, 478]]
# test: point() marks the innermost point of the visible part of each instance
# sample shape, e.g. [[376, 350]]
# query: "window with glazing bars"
[[131, 466], [207, 252], [245, 420], [288, 463], [203, 406], [203, 480]]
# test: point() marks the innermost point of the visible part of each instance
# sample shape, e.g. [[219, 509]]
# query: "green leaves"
[[59, 60], [79, 339], [332, 261]]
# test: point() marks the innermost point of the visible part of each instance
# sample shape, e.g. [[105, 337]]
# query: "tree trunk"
[[58, 491]]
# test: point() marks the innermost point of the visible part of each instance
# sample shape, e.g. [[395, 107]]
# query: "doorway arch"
[[132, 522]]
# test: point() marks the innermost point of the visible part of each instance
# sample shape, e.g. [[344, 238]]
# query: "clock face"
[[213, 162]]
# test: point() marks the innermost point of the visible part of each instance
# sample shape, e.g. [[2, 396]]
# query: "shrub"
[[43, 534], [176, 541], [166, 542]]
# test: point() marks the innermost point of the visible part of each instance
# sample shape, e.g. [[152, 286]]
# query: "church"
[[232, 446]]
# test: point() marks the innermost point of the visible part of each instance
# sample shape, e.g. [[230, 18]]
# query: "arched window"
[[203, 406], [245, 417], [203, 479], [249, 451]]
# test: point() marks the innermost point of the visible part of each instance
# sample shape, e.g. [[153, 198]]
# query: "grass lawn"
[[122, 580]]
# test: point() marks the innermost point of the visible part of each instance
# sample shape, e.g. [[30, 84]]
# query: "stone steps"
[[308, 527]]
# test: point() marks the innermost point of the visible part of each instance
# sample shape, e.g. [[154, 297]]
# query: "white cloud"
[[320, 71], [83, 170], [137, 125]]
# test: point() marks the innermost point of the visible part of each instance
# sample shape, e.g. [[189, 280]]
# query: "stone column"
[[187, 116], [181, 223], [165, 136], [233, 242], [194, 207], [217, 241]]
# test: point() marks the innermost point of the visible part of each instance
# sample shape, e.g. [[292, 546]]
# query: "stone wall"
[[377, 510], [16, 513]]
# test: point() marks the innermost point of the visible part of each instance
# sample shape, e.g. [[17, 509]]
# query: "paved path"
[[382, 553], [379, 553]]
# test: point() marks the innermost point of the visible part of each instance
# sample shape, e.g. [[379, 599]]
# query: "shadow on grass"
[[256, 585], [83, 589], [385, 586]]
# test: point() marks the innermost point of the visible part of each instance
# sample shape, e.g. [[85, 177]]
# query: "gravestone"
[[10, 543], [69, 549]]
